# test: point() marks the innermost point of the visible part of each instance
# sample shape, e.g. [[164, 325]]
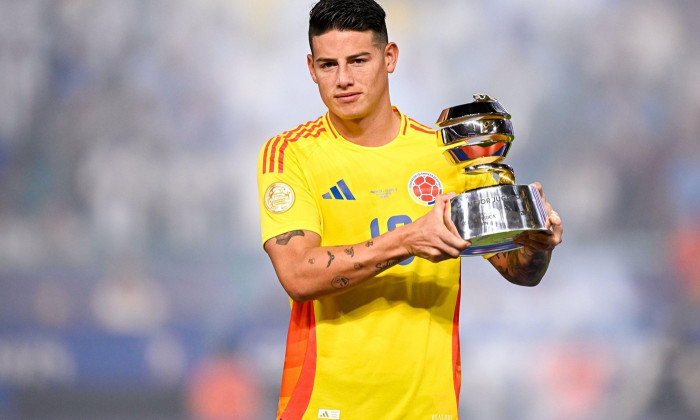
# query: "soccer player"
[[370, 263]]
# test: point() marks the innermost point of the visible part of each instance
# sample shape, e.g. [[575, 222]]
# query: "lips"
[[347, 97]]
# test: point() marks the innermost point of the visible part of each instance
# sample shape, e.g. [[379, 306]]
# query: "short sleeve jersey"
[[389, 348]]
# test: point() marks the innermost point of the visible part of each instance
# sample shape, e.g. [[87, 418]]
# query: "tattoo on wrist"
[[358, 266], [331, 257], [312, 260], [387, 264], [284, 238], [369, 244], [350, 251], [340, 282]]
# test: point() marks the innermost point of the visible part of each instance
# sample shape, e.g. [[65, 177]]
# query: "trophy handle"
[[502, 173]]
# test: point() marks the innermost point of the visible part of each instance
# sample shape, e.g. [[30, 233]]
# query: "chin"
[[349, 113]]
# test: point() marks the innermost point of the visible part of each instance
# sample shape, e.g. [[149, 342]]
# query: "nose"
[[344, 76]]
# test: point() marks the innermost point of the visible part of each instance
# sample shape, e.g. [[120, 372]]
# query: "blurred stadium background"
[[132, 280]]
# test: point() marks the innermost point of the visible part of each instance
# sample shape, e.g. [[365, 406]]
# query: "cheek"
[[325, 91], [371, 75], [375, 81], [325, 82]]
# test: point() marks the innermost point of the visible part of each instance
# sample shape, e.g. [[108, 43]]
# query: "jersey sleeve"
[[284, 195]]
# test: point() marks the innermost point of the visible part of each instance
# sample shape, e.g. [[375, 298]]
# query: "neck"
[[374, 130]]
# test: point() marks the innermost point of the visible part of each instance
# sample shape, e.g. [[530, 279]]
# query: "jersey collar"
[[336, 135]]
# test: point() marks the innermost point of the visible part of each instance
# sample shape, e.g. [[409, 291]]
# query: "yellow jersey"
[[389, 348]]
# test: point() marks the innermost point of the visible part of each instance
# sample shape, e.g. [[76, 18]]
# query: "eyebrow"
[[350, 57]]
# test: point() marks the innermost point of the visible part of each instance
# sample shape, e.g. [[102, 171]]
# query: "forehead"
[[335, 43]]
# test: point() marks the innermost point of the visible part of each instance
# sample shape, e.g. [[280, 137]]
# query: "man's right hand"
[[434, 236]]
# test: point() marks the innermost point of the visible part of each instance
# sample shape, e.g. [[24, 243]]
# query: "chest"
[[364, 193]]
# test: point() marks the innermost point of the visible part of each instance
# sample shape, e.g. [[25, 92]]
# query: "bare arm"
[[308, 271], [526, 266], [523, 266]]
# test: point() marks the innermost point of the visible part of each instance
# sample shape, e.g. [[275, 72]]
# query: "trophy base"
[[490, 217]]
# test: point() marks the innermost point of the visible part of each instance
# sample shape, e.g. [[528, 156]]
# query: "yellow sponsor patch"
[[279, 197]]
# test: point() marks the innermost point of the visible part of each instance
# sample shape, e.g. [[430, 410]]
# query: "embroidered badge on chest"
[[424, 187]]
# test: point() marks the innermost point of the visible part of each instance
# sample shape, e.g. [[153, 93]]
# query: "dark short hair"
[[348, 15]]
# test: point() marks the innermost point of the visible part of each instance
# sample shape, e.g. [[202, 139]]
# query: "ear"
[[391, 56], [312, 69]]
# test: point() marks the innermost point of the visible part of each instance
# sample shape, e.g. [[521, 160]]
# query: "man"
[[372, 270]]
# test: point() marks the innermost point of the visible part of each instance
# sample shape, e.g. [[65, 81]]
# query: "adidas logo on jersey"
[[340, 191], [324, 413]]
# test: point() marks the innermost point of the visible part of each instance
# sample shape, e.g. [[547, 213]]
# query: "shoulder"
[[309, 130], [412, 129], [293, 141], [415, 127]]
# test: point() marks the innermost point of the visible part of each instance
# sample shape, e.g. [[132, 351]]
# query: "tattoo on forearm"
[[350, 251], [284, 238], [358, 266], [340, 282], [369, 244], [331, 257], [523, 266], [387, 264], [312, 260]]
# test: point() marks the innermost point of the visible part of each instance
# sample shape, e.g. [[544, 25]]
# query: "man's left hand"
[[543, 240]]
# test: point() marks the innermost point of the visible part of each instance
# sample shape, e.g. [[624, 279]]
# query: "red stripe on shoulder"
[[420, 127], [273, 150], [310, 129], [265, 153], [330, 126], [275, 162]]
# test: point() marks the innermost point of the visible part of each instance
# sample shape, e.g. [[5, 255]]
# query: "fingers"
[[447, 218], [557, 228], [537, 240], [545, 240], [455, 240], [439, 238], [552, 216]]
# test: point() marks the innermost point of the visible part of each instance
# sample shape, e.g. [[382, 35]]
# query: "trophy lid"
[[483, 105]]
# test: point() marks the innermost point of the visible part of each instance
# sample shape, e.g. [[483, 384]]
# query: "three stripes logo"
[[340, 191], [324, 413]]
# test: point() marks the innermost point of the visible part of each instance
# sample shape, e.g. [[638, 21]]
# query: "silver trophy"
[[477, 137]]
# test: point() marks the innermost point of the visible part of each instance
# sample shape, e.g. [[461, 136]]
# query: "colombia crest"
[[424, 187]]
